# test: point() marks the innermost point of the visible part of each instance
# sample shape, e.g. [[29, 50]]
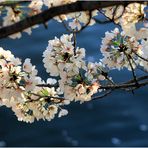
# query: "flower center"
[[122, 48]]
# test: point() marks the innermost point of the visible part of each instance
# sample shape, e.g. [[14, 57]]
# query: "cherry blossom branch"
[[140, 57], [130, 85], [110, 20], [74, 42], [13, 3], [60, 99], [124, 85], [46, 15], [87, 23], [102, 96], [82, 28], [131, 66], [138, 79]]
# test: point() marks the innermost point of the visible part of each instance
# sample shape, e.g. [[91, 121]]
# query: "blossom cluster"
[[132, 39], [78, 80], [119, 50], [75, 79], [32, 98], [129, 17], [18, 87]]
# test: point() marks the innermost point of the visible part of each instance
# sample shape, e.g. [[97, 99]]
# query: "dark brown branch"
[[111, 20], [140, 56], [46, 15], [131, 66], [49, 98], [88, 22], [110, 88], [13, 3], [128, 84], [124, 86], [138, 79], [74, 42], [102, 96], [47, 85], [82, 28], [102, 21]]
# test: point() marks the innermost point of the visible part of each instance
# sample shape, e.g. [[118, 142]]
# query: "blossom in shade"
[[119, 50]]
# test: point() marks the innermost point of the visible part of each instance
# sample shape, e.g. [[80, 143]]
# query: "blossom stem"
[[102, 96], [140, 57], [75, 42], [132, 69], [60, 99]]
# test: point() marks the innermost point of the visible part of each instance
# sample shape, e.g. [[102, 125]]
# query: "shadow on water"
[[117, 120]]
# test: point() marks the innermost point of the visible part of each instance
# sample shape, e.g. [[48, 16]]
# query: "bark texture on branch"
[[46, 15]]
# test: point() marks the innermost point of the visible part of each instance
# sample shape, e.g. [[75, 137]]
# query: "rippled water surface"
[[120, 119]]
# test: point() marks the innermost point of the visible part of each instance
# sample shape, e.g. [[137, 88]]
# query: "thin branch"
[[128, 84], [46, 15], [13, 3], [102, 22], [110, 88], [102, 96], [82, 28], [46, 85], [111, 20], [88, 22], [124, 86], [138, 79], [74, 42], [132, 69], [140, 57], [48, 98], [138, 66]]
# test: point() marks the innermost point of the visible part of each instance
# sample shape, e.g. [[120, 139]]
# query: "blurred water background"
[[120, 119]]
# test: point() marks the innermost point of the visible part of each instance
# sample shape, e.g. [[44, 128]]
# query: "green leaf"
[[44, 92], [78, 77], [116, 43]]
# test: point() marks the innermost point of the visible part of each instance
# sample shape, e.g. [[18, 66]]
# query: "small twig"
[[82, 28], [128, 84], [138, 79], [47, 85], [140, 57], [105, 74], [13, 3], [102, 22], [88, 22], [74, 42], [110, 19], [132, 69], [102, 96], [60, 99], [138, 66], [124, 86]]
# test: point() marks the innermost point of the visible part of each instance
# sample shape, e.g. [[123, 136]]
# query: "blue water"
[[120, 119]]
